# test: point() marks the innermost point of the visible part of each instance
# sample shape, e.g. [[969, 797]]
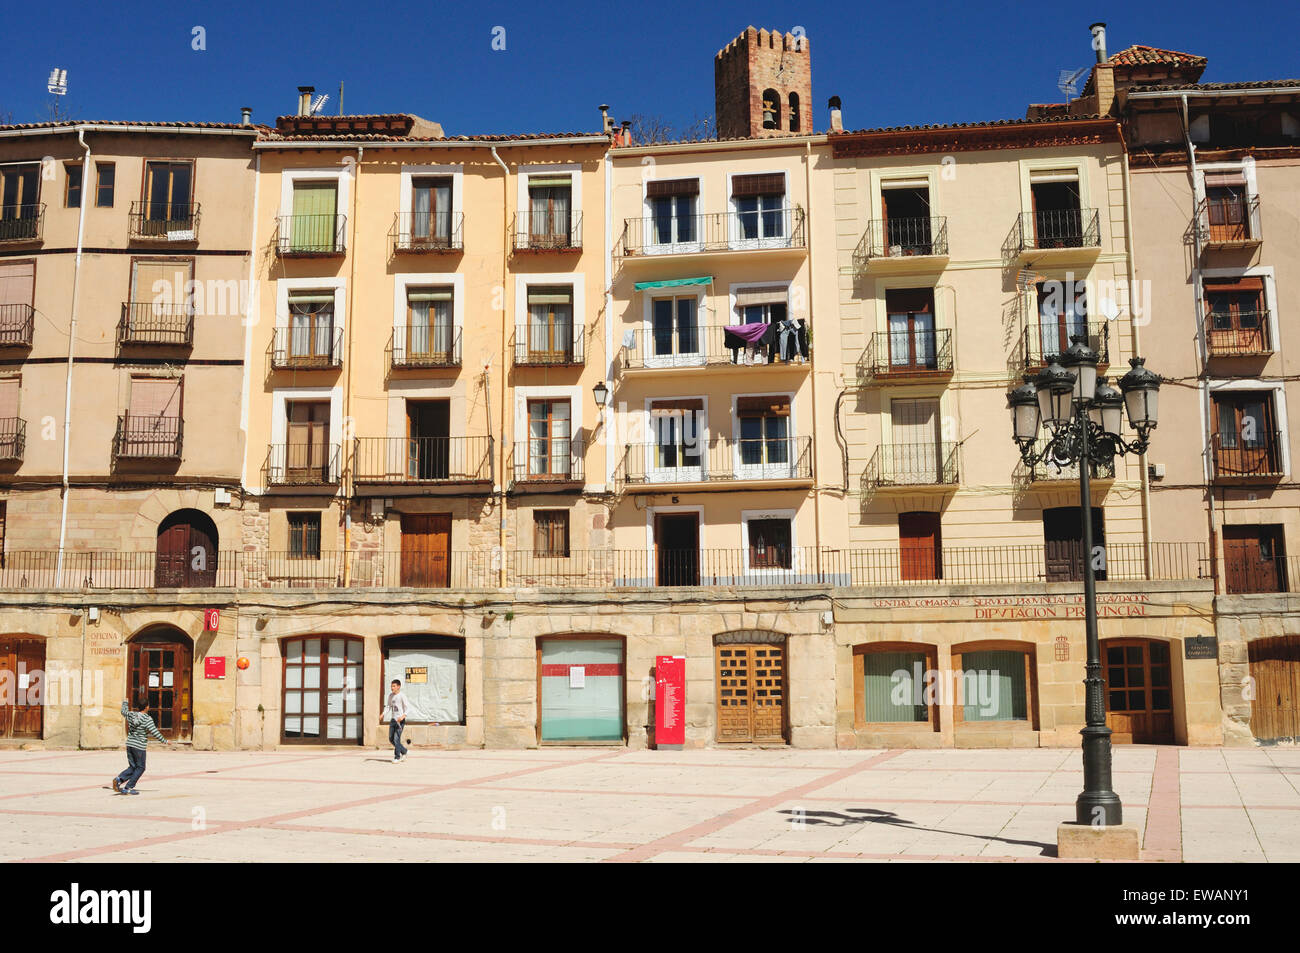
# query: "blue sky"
[[914, 62]]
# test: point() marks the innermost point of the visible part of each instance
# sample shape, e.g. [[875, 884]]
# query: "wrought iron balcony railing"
[[301, 464], [713, 231], [695, 345], [424, 347], [17, 321], [901, 238], [1244, 454], [163, 222], [1045, 471], [148, 437], [1243, 334], [1224, 223], [537, 345], [717, 460], [13, 438], [896, 355], [145, 323], [548, 460], [427, 232], [21, 223], [318, 348], [912, 464], [422, 460], [1053, 229], [1041, 341], [307, 236], [546, 231]]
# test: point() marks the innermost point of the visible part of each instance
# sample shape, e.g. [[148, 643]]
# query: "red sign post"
[[670, 701]]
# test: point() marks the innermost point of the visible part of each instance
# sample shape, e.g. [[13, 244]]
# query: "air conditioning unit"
[[1155, 471]]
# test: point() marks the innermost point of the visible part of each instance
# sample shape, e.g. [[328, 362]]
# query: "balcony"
[[148, 438], [427, 233], [1047, 473], [421, 461], [1230, 223], [301, 465], [423, 348], [1042, 341], [548, 346], [310, 236], [544, 462], [779, 229], [713, 345], [718, 460], [21, 224], [546, 232], [13, 439], [144, 323], [1061, 235], [911, 465], [17, 321], [163, 222], [318, 348], [901, 245], [1243, 456], [906, 355], [1239, 334]]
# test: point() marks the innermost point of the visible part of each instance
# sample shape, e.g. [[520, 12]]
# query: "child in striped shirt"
[[139, 726]]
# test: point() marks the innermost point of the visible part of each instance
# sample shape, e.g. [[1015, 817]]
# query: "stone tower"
[[762, 85]]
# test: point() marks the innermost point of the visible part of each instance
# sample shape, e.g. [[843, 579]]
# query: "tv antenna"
[[1067, 81], [57, 84], [317, 103]]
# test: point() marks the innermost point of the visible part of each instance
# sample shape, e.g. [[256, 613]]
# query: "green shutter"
[[314, 208]]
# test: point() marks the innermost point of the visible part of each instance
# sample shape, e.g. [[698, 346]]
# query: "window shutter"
[[550, 295], [9, 387], [764, 406], [1234, 284], [748, 297], [677, 405], [17, 279], [911, 300], [429, 294], [660, 188], [1224, 180], [549, 181], [155, 396], [767, 184]]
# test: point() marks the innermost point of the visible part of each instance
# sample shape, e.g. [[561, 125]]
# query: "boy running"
[[139, 726]]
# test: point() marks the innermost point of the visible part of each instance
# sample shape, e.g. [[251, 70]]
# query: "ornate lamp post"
[[1082, 420]]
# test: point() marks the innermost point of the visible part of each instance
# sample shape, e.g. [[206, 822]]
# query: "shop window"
[[581, 690], [431, 669], [994, 685]]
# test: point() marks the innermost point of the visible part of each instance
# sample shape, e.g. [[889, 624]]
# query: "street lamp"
[[1082, 419], [601, 394]]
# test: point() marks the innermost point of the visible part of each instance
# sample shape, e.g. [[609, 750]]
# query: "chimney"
[[304, 100], [837, 121], [606, 125], [1098, 31], [245, 115]]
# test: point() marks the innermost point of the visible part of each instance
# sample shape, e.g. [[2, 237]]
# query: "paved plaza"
[[566, 804]]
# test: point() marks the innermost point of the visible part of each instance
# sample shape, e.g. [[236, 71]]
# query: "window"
[[764, 431], [765, 333], [72, 190], [313, 227], [794, 112], [893, 685], [771, 109], [159, 309], [759, 202], [1246, 434], [431, 669], [1058, 215], [675, 331], [153, 423], [995, 686], [549, 444], [678, 430], [19, 201], [769, 543], [1134, 669], [916, 451], [4, 519], [1255, 558], [673, 210], [1226, 205], [551, 533], [550, 325], [17, 287], [429, 332], [906, 212], [12, 429], [168, 193], [311, 325], [550, 210], [323, 680], [431, 210], [911, 329], [1062, 313], [1237, 319], [304, 535], [106, 177], [307, 446], [582, 692]]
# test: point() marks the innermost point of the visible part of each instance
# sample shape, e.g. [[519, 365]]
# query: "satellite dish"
[[57, 84], [1067, 81]]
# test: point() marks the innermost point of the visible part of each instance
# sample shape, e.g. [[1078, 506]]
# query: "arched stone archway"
[[186, 551], [161, 660]]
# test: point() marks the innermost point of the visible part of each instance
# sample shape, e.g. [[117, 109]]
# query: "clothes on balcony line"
[[748, 341], [792, 336]]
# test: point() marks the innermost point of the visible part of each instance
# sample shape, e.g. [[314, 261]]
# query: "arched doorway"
[[186, 551], [323, 680], [751, 686], [23, 684], [162, 662], [1139, 691]]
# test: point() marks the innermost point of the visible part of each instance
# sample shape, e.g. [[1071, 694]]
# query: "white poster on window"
[[433, 681], [577, 676]]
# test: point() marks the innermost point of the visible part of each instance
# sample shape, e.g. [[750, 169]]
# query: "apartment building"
[[124, 248]]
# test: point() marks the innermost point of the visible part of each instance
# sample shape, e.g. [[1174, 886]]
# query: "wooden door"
[[306, 453], [21, 708], [1245, 435], [186, 555], [1275, 669], [677, 549], [1139, 696], [164, 669], [919, 545], [751, 693], [1253, 559], [1063, 542], [426, 550]]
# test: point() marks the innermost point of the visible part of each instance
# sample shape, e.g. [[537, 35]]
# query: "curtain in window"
[[994, 687], [923, 339], [560, 438], [899, 327], [890, 692]]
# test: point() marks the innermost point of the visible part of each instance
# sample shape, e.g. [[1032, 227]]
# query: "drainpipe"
[[250, 304], [505, 311], [807, 231], [605, 412], [347, 391], [1207, 404], [72, 338]]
